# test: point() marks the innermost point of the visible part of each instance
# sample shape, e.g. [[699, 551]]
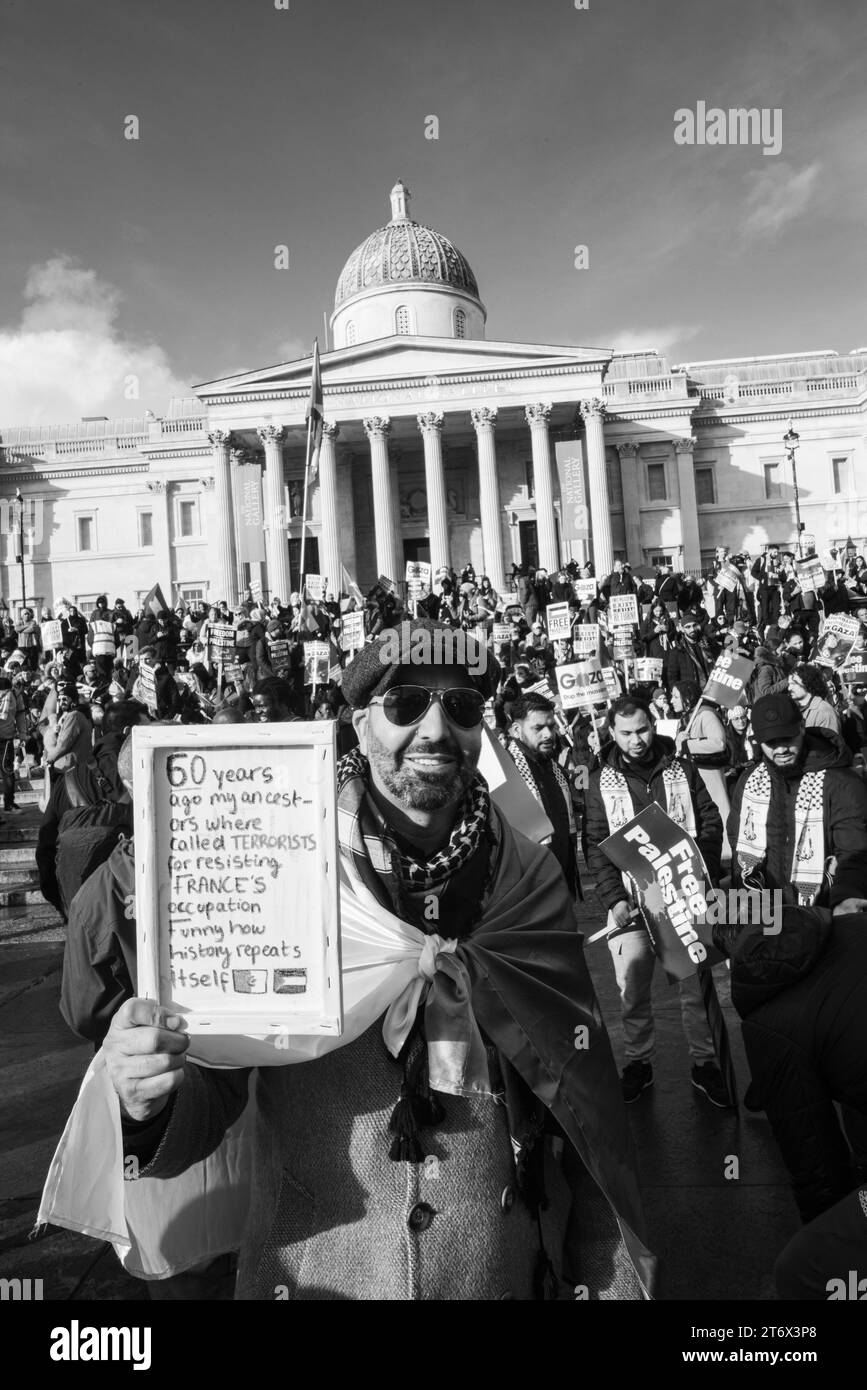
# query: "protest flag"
[[155, 602]]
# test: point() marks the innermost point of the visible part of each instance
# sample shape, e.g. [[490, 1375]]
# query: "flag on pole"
[[315, 412], [155, 602]]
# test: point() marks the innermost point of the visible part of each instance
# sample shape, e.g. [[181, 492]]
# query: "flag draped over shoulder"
[[315, 411]]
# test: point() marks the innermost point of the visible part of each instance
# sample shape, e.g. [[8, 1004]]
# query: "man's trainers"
[[708, 1078], [636, 1077]]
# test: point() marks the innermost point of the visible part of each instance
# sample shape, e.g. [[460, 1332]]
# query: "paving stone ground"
[[717, 1237]]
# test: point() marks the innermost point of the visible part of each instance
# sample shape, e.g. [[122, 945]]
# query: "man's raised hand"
[[144, 1053]]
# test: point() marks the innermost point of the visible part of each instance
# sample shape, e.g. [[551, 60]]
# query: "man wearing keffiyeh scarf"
[[377, 1177]]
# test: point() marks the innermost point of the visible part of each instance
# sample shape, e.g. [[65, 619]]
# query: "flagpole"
[[304, 505]]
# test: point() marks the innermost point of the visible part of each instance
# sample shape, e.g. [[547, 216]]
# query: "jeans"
[[634, 962]]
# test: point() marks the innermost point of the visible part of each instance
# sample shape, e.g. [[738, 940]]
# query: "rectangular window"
[[186, 518], [840, 469], [705, 489], [85, 603], [146, 530], [192, 593], [85, 529], [772, 480], [656, 488], [529, 484]]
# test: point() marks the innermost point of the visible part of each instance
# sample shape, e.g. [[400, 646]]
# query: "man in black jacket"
[[798, 821], [636, 770]]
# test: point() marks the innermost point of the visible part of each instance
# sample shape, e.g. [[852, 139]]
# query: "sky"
[[133, 269]]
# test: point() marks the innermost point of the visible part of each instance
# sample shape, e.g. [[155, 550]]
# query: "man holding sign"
[[500, 1009], [636, 771]]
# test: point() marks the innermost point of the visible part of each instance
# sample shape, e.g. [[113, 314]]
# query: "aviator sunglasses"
[[407, 704]]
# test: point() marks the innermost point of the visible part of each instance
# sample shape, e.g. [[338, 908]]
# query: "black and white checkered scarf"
[[366, 837]]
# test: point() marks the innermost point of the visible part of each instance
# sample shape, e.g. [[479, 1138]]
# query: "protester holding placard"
[[418, 830], [635, 771]]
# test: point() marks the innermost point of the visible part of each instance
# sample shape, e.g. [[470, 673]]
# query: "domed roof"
[[404, 252]]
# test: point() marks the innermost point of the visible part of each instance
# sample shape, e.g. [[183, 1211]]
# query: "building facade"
[[438, 445]]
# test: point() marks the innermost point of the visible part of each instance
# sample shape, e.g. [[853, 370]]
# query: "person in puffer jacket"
[[798, 820]]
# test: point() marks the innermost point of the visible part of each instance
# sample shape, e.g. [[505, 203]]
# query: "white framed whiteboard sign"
[[237, 905]]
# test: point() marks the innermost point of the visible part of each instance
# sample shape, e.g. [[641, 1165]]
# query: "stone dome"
[[404, 252]]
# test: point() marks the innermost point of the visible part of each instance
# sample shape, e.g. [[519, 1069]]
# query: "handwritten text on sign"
[[245, 916]]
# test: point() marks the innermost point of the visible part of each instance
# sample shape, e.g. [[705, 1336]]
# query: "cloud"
[[293, 348], [68, 357], [776, 197], [662, 340]]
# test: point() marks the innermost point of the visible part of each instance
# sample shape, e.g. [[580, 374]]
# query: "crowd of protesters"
[[787, 758]]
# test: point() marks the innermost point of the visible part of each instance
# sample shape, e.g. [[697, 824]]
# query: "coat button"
[[420, 1217], [507, 1199]]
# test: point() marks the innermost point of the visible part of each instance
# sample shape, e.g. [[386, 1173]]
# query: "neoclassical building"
[[439, 444]]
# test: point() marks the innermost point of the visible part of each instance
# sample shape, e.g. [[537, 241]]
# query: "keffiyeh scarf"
[[516, 752], [364, 836], [617, 800], [808, 859]]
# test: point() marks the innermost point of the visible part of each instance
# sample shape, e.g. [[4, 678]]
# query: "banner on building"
[[574, 517], [247, 481], [559, 621]]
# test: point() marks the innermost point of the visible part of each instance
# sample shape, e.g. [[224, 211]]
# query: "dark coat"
[[645, 786], [99, 963], [845, 819]]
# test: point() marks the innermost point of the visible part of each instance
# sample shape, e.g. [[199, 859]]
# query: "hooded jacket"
[[645, 785], [844, 814]]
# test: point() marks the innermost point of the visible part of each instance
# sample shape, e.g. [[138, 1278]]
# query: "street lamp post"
[[791, 440], [20, 500]]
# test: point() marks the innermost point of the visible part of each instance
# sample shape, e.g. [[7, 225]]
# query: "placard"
[[52, 635], [559, 621], [612, 684], [585, 590], [317, 659], [314, 587], [418, 575], [839, 634], [278, 655], [237, 910], [352, 632], [671, 885], [622, 610], [811, 574], [581, 684], [148, 683], [855, 675], [585, 639], [728, 680], [501, 633], [728, 578], [221, 640], [667, 728], [649, 668]]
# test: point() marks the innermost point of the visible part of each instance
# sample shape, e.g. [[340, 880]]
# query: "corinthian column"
[[226, 562], [329, 550], [276, 548], [431, 426], [376, 427], [484, 421], [546, 531], [628, 452], [688, 506], [592, 413]]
